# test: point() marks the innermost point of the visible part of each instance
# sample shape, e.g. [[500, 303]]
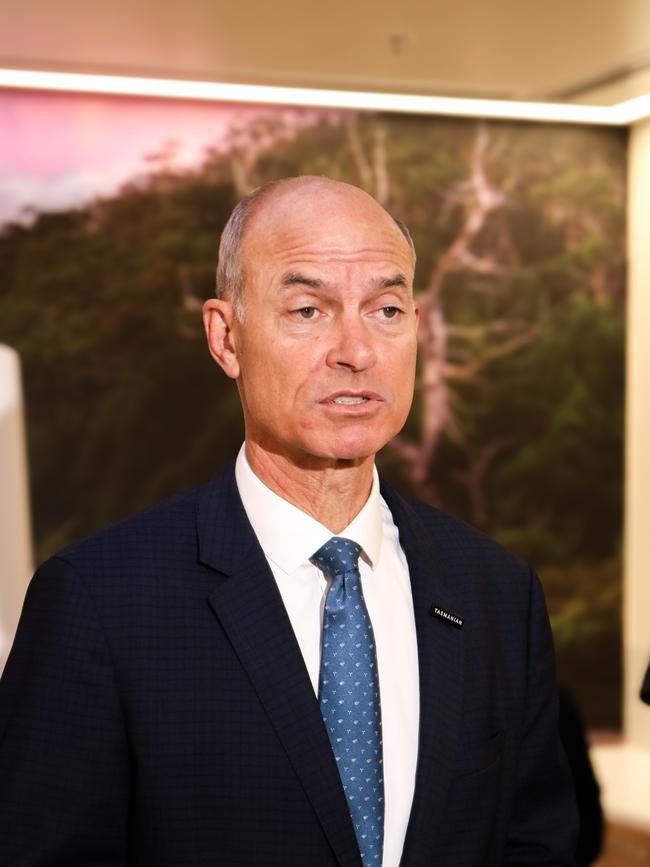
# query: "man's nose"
[[352, 345]]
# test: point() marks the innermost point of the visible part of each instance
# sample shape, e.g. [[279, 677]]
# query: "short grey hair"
[[230, 265]]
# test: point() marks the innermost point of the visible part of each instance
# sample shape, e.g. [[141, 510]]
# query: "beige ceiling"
[[580, 49]]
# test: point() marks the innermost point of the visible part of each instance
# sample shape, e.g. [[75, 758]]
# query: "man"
[[286, 666]]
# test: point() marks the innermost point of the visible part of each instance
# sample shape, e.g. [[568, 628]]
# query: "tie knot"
[[337, 556]]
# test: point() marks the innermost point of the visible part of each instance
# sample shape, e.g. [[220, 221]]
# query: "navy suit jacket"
[[156, 711]]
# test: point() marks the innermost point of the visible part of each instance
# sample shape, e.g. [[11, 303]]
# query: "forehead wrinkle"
[[316, 256]]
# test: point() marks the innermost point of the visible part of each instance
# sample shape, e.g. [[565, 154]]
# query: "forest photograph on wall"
[[110, 215]]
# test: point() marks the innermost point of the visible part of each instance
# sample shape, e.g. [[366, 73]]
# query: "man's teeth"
[[349, 399]]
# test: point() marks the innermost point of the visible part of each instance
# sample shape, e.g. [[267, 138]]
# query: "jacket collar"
[[441, 653]]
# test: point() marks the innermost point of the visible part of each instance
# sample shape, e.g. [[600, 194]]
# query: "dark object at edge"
[[645, 687], [587, 790]]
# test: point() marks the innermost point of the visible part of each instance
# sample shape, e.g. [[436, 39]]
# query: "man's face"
[[326, 351]]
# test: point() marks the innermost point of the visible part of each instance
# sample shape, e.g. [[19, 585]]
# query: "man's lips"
[[349, 397]]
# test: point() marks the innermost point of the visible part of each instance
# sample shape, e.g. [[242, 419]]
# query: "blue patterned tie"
[[348, 693]]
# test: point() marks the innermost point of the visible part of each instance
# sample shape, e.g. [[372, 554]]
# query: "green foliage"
[[585, 605], [559, 406], [124, 405]]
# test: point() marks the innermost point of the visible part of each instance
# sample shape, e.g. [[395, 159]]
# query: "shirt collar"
[[288, 536]]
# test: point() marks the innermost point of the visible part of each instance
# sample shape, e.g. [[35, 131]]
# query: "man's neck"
[[331, 492]]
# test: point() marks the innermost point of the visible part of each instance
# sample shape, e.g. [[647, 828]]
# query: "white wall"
[[15, 534], [637, 496]]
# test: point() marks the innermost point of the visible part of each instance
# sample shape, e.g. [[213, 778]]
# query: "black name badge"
[[454, 619]]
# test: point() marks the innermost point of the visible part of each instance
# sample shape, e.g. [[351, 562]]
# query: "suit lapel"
[[250, 610], [440, 656]]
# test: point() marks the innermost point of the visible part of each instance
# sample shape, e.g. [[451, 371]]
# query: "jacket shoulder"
[[159, 543], [169, 523], [461, 539], [468, 560]]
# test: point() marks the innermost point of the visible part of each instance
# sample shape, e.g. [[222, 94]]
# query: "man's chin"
[[354, 448]]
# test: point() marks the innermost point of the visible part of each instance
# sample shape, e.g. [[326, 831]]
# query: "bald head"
[[276, 206]]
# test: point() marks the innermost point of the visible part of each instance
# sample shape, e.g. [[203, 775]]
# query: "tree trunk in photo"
[[479, 199], [373, 169]]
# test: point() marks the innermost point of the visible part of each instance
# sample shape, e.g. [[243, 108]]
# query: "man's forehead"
[[322, 216]]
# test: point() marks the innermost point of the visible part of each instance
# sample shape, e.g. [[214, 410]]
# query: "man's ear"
[[218, 320]]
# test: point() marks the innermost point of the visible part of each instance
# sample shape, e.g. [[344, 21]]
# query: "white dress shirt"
[[288, 537]]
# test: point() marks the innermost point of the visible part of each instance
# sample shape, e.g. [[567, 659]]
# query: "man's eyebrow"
[[396, 280], [294, 278]]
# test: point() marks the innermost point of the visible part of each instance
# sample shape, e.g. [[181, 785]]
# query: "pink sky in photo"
[[58, 150]]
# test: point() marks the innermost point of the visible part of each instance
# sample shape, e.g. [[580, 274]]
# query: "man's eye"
[[306, 312], [390, 312]]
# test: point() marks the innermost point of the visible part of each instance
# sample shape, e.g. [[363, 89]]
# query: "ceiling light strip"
[[620, 114]]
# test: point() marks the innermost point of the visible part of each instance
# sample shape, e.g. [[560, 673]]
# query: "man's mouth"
[[348, 399], [351, 398]]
